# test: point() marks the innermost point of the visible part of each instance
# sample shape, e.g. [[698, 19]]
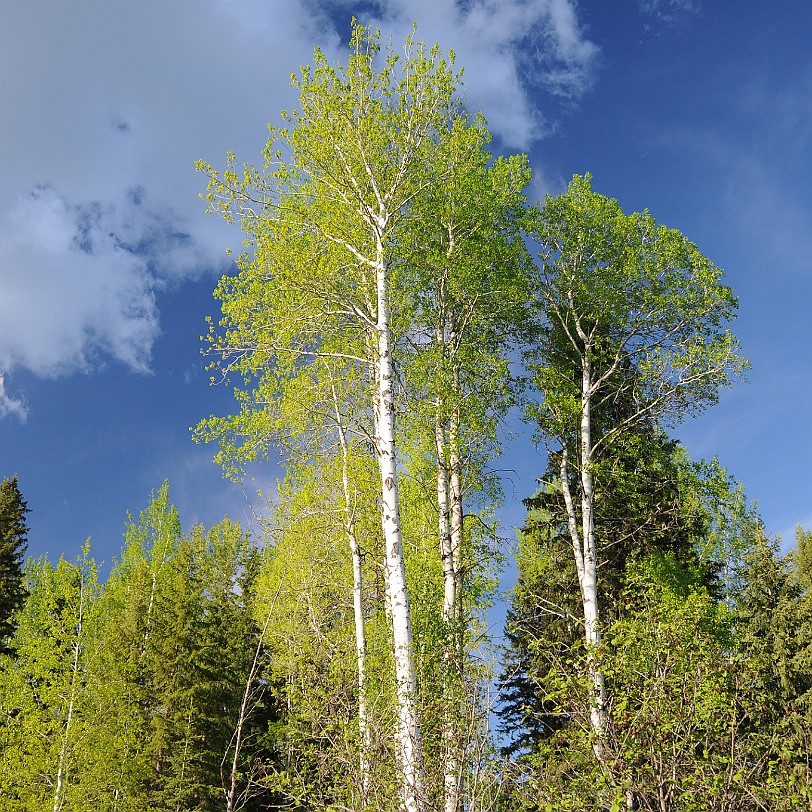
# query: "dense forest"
[[397, 300]]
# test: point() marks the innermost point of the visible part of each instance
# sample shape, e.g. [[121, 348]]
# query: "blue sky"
[[699, 111]]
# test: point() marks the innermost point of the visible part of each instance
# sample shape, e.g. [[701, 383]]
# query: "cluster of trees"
[[127, 695], [704, 651], [397, 298]]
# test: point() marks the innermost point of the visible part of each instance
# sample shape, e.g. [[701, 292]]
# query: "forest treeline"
[[397, 300]]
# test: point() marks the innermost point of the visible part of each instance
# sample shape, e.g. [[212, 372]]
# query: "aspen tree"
[[627, 310], [324, 217], [469, 267], [44, 690]]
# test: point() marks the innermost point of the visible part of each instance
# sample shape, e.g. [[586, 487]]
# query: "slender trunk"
[[360, 645], [453, 734], [457, 515], [250, 696], [589, 582], [586, 560], [59, 791], [451, 771], [230, 786], [358, 609], [409, 740], [444, 519]]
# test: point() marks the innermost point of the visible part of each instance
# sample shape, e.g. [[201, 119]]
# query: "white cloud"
[[109, 105], [77, 281], [507, 49], [104, 114], [10, 405]]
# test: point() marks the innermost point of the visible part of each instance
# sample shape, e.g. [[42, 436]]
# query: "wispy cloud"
[[10, 405], [509, 50], [670, 11]]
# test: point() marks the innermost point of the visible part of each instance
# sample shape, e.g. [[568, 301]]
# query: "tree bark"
[[445, 503], [410, 746], [586, 559], [589, 581], [453, 776], [358, 608]]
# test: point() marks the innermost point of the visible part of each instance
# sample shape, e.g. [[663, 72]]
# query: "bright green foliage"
[[330, 204], [127, 697], [13, 543], [705, 653], [305, 603], [383, 243], [682, 705], [44, 723], [121, 765], [802, 657], [177, 643], [467, 267], [637, 302]]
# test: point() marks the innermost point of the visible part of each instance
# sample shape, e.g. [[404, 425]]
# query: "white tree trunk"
[[589, 580], [444, 520], [409, 744], [455, 482], [586, 560], [358, 608], [451, 765], [453, 734]]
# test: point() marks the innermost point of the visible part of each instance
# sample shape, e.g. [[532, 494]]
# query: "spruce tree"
[[13, 544]]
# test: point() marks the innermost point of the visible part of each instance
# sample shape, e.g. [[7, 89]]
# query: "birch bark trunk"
[[586, 558], [410, 747], [453, 777], [449, 506], [589, 582], [358, 608], [451, 766]]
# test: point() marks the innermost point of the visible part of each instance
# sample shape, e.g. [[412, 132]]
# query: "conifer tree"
[[176, 639], [13, 544]]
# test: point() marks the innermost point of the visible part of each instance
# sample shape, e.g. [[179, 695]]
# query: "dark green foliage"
[[130, 694], [707, 649], [773, 616], [13, 544], [645, 503]]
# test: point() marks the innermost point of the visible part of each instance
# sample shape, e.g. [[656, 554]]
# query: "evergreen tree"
[[13, 544], [174, 652], [646, 499], [772, 607]]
